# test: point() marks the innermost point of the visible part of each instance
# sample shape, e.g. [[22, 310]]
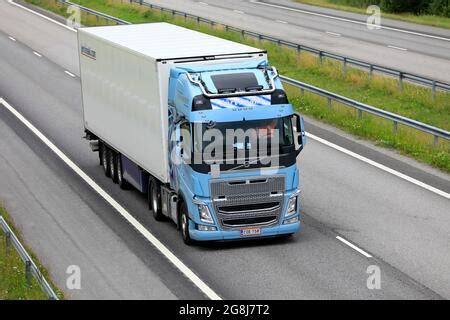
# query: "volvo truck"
[[199, 124]]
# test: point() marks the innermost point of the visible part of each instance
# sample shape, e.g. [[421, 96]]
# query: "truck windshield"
[[244, 144]]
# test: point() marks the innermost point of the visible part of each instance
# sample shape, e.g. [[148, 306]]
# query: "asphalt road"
[[426, 53], [404, 227]]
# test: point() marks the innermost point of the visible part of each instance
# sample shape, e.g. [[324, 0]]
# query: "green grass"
[[12, 272], [425, 19], [413, 102]]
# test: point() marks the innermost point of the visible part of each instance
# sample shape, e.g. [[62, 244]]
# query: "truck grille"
[[248, 202]]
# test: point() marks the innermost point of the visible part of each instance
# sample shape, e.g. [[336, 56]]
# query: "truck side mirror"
[[300, 128], [298, 124]]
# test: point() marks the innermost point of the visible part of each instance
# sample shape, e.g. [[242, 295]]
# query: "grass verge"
[[425, 19], [12, 272], [413, 102]]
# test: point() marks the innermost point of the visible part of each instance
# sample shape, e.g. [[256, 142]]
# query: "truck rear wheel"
[[113, 165], [105, 160], [154, 199], [184, 222], [123, 184]]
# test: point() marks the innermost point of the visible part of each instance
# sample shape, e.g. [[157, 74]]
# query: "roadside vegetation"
[[12, 272], [428, 12], [379, 91]]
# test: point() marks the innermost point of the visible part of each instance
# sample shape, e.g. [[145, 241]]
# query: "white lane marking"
[[37, 54], [239, 11], [70, 73], [281, 21], [351, 245], [380, 166], [348, 20], [121, 210], [333, 33], [12, 39], [397, 48], [42, 16]]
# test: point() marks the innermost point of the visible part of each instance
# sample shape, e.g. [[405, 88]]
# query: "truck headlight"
[[292, 205], [205, 215]]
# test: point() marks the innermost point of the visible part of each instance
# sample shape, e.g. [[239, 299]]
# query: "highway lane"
[[314, 264], [424, 56], [65, 225], [285, 12], [252, 270]]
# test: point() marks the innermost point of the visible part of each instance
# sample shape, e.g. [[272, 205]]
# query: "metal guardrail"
[[370, 67], [30, 266], [361, 107], [346, 61]]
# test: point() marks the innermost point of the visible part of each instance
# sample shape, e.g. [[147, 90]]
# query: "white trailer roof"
[[164, 41]]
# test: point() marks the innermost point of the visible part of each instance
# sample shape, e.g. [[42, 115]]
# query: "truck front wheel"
[[154, 199], [184, 221]]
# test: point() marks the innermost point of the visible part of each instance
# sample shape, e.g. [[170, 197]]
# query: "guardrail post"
[[395, 129], [360, 114], [370, 72], [198, 20], [320, 57], [7, 241], [28, 273], [302, 91], [433, 90], [435, 141], [400, 81], [140, 2], [344, 67], [329, 103], [243, 34]]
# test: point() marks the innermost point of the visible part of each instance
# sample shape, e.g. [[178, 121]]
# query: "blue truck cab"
[[230, 188]]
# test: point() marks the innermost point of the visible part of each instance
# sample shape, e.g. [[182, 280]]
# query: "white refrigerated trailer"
[[125, 77]]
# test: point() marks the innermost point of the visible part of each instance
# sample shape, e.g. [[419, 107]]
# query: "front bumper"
[[236, 234]]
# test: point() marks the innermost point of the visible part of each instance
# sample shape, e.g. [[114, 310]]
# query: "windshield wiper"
[[254, 88], [226, 90]]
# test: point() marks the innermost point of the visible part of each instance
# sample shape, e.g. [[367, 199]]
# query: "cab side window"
[[186, 144]]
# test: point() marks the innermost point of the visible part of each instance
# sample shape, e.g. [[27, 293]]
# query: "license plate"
[[250, 232]]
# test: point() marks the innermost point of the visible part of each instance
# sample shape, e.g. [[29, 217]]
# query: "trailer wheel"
[[184, 221], [113, 165], [105, 160], [123, 184], [154, 199]]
